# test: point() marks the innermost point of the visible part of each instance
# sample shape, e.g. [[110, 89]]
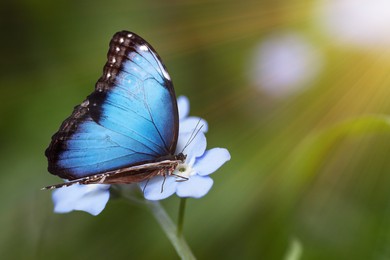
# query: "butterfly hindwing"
[[131, 117]]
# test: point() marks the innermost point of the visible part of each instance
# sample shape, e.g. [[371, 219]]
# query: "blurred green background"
[[308, 164]]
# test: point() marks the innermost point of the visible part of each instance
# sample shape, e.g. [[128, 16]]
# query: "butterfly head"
[[181, 157]]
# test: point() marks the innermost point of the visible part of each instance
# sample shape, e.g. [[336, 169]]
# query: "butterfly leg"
[[160, 172], [165, 177], [146, 184], [182, 178]]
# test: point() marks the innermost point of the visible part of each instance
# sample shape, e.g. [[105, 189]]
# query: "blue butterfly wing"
[[131, 118]]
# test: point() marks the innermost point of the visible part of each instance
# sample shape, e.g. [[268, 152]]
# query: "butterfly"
[[126, 131]]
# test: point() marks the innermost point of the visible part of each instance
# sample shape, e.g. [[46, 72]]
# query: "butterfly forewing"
[[130, 119]]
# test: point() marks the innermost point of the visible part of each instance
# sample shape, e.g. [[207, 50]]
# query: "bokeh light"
[[285, 63]]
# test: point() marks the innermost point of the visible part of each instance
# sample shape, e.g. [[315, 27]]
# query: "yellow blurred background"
[[283, 85]]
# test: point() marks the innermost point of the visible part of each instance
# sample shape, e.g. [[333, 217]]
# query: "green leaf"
[[308, 157]]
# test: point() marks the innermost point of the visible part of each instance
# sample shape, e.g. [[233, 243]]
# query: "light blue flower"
[[187, 124], [89, 198], [190, 179]]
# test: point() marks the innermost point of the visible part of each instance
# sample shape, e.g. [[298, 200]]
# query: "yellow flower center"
[[183, 170]]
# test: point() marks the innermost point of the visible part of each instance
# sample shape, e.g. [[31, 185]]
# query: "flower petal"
[[190, 124], [195, 148], [211, 160], [89, 198], [153, 188], [196, 187], [183, 105]]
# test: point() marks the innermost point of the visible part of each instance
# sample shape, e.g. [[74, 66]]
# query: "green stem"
[[180, 221], [178, 242], [169, 228]]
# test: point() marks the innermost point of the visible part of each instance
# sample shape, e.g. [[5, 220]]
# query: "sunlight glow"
[[358, 23]]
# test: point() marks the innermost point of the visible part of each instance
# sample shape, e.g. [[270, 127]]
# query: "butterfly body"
[[126, 131]]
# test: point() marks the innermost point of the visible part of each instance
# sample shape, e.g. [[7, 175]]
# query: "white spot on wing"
[[165, 73], [121, 40], [143, 48], [161, 67]]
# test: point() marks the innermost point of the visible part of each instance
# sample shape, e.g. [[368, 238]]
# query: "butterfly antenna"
[[193, 135], [192, 139]]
